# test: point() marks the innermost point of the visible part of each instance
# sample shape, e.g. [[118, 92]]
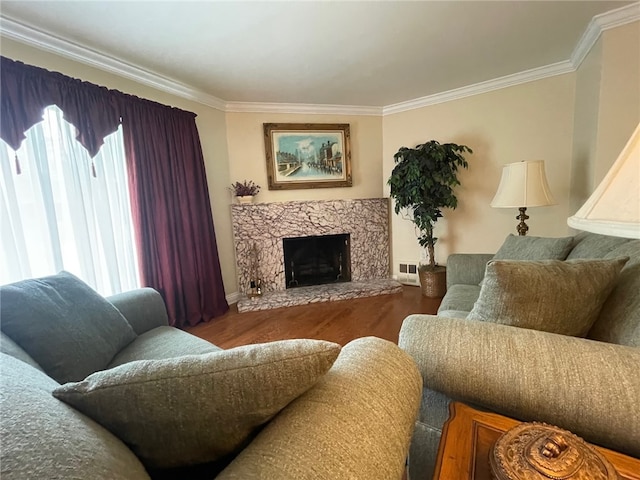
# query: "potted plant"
[[422, 182], [245, 191]]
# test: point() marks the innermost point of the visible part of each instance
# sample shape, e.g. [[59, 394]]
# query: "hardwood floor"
[[339, 322]]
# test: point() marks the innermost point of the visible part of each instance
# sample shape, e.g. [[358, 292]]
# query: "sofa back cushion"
[[63, 324], [522, 247], [593, 245], [517, 247], [43, 437], [619, 319]]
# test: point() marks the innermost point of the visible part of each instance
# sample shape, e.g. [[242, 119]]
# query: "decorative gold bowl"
[[537, 451]]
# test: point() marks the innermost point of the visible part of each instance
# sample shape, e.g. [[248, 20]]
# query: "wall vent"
[[408, 273]]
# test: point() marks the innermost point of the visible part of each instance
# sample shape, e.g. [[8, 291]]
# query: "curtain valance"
[[93, 110]]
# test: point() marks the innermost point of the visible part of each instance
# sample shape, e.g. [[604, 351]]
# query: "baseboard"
[[233, 297]]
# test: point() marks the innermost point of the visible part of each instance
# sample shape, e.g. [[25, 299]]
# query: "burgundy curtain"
[[172, 212], [170, 200]]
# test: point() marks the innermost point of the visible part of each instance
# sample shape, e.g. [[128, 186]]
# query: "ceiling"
[[371, 53]]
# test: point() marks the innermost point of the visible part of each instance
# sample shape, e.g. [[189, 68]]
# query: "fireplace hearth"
[[316, 260]]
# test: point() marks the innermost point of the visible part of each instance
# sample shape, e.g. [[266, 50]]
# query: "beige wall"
[[524, 122], [585, 128], [607, 107], [245, 138], [210, 122], [619, 111]]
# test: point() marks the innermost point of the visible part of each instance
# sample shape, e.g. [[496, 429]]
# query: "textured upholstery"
[[619, 320], [460, 297], [160, 343], [63, 324], [42, 438], [199, 408], [532, 375], [466, 269], [516, 247], [359, 420], [592, 245], [143, 308], [587, 376], [556, 296], [315, 438], [453, 313], [533, 248], [10, 347], [434, 411]]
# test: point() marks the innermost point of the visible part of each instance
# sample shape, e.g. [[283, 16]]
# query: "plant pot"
[[433, 282], [245, 199]]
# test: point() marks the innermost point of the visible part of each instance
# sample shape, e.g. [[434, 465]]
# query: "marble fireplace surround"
[[259, 228]]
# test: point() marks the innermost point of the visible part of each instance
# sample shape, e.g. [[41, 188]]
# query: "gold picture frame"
[[307, 155]]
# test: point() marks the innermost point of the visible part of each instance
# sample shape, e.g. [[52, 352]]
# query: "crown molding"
[[600, 23], [559, 68], [47, 41], [302, 108]]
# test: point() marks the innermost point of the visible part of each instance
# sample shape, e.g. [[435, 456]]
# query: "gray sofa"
[[354, 423], [590, 386]]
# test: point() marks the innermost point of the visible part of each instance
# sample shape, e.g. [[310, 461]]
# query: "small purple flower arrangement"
[[245, 189]]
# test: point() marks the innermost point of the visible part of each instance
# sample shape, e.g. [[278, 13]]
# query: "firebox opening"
[[317, 260]]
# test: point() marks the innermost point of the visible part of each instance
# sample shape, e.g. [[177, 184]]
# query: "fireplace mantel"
[[259, 228]]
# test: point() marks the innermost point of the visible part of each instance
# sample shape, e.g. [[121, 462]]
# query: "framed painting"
[[307, 155]]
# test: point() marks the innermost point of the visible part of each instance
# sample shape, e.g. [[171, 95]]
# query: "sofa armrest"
[[143, 308], [355, 423], [466, 268], [590, 388]]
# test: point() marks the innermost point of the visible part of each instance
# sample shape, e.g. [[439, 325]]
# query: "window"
[[61, 210]]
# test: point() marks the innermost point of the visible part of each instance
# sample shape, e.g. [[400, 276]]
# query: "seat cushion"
[[199, 408], [44, 438], [549, 295], [10, 347], [63, 324], [160, 343], [459, 298]]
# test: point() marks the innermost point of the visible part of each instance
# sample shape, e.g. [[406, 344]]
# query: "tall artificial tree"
[[422, 182]]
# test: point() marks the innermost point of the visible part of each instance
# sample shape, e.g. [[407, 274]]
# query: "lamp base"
[[522, 227]]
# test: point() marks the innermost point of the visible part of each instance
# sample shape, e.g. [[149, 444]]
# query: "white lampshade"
[[523, 184], [614, 207]]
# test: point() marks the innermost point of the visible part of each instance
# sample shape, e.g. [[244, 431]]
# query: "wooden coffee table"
[[469, 435]]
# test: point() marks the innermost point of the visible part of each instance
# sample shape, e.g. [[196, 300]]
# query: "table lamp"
[[614, 207], [522, 185]]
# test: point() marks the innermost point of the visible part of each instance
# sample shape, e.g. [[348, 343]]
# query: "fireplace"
[[317, 260], [259, 230]]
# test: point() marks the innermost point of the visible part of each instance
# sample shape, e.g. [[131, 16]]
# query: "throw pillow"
[[549, 295], [63, 324], [518, 247], [199, 408]]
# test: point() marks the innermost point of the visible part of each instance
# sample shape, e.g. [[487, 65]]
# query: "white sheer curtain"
[[57, 216]]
